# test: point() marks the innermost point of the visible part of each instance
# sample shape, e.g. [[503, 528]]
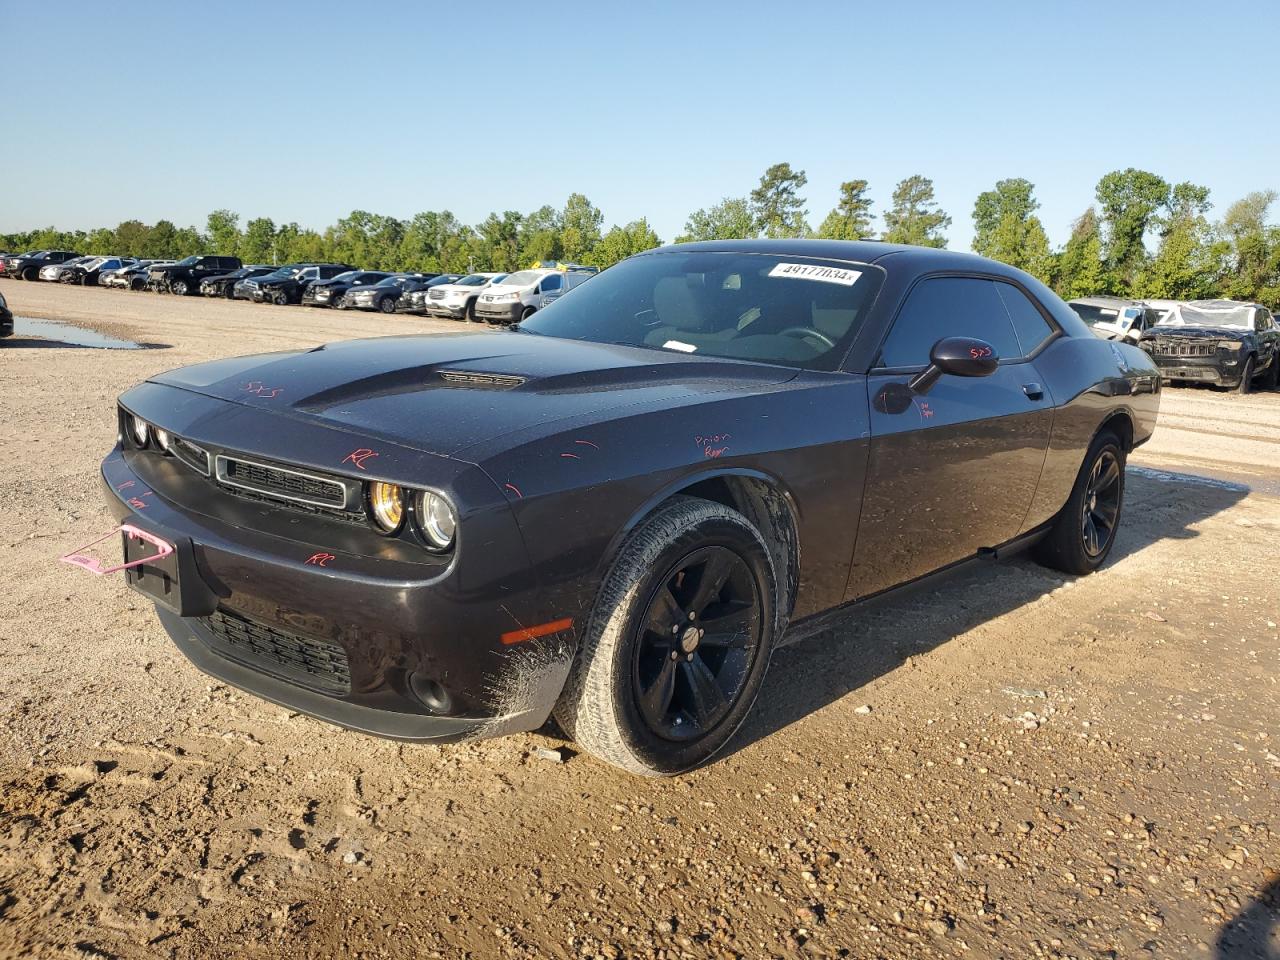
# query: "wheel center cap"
[[690, 638]]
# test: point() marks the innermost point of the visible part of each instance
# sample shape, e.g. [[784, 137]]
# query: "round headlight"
[[138, 427], [386, 505], [161, 438], [436, 519]]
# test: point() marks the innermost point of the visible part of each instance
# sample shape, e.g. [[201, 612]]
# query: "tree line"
[[1143, 237]]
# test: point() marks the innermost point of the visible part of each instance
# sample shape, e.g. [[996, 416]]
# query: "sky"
[[304, 112]]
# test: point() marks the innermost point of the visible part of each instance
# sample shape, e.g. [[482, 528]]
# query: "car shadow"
[[20, 343], [872, 638], [1254, 932]]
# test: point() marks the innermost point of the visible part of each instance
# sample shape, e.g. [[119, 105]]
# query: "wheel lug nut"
[[689, 657], [675, 655], [692, 615]]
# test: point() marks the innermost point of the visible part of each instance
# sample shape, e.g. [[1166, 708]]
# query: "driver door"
[[955, 469]]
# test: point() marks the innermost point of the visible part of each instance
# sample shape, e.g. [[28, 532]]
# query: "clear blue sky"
[[306, 111]]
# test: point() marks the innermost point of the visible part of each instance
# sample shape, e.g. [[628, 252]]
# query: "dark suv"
[[1223, 342], [184, 277], [27, 266], [329, 293], [287, 284]]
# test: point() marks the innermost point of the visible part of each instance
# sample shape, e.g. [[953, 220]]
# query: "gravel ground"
[[1008, 764]]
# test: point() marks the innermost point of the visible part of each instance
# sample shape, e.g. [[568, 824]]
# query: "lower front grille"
[[281, 483], [1165, 348], [317, 664]]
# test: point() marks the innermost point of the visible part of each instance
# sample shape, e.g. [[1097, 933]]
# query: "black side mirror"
[[958, 356]]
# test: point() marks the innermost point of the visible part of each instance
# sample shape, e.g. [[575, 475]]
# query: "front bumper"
[[1213, 370], [499, 312], [390, 619], [440, 308]]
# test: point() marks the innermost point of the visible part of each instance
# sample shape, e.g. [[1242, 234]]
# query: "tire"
[[179, 288], [1069, 547], [280, 298], [526, 313], [137, 284], [387, 305], [1246, 376], [31, 273], [690, 679], [469, 311]]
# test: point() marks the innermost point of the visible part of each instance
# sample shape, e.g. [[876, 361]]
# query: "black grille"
[[317, 664], [193, 456], [282, 483]]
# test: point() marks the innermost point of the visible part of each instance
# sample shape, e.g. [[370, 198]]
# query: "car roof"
[[853, 251]]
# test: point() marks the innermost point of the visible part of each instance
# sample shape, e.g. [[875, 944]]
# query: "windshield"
[[187, 261], [1092, 314], [1210, 313], [394, 282], [521, 278], [473, 280], [798, 312], [347, 277]]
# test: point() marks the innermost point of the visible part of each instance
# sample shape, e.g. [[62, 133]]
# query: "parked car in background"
[[457, 299], [414, 300], [88, 273], [184, 276], [1115, 318], [329, 293], [1223, 342], [384, 296], [29, 265], [6, 318], [50, 272], [131, 278], [222, 284], [287, 285], [519, 295]]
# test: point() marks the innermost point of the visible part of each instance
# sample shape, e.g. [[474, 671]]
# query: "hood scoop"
[[492, 381]]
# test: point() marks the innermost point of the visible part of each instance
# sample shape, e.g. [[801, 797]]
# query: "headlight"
[[161, 438], [436, 520], [138, 427], [1230, 344], [386, 505], [507, 296]]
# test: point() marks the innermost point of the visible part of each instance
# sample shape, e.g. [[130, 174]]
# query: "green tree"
[[915, 216], [621, 242], [163, 242], [1185, 264], [540, 237], [776, 204], [223, 228], [1080, 271], [730, 219], [579, 228], [1007, 229], [851, 218], [1130, 200], [101, 241], [498, 245], [131, 238], [258, 244], [1252, 267]]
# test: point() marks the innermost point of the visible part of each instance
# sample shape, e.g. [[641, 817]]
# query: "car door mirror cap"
[[958, 356]]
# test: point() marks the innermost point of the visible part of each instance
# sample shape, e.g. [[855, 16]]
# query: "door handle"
[[1033, 391]]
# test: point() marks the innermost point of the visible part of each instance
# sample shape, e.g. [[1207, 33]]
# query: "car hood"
[[1214, 333], [442, 393]]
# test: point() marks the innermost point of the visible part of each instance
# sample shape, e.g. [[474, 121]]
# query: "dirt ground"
[[1047, 768]]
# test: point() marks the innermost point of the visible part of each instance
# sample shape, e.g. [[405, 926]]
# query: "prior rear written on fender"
[[614, 510]]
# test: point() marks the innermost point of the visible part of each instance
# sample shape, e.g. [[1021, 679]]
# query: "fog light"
[[433, 696], [386, 505]]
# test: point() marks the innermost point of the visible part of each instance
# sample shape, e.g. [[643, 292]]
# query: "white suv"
[[519, 294], [458, 300]]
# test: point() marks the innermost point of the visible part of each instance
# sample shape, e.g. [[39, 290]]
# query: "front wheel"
[[469, 311], [280, 298], [179, 288], [526, 313], [1085, 529], [1246, 378], [387, 305], [30, 273], [678, 642]]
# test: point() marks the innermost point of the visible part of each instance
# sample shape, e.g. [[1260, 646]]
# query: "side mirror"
[[958, 356]]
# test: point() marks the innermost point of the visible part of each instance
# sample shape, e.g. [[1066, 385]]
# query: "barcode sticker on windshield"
[[811, 271]]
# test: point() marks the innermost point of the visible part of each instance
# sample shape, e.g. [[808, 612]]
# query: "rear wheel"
[[677, 645], [1085, 529], [1246, 377]]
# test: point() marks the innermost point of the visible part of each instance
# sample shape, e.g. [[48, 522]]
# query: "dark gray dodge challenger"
[[613, 511]]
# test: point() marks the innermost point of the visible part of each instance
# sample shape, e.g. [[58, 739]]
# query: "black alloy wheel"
[[387, 305], [1101, 504], [697, 642]]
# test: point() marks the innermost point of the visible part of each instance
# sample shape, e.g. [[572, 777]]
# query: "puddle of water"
[[69, 333]]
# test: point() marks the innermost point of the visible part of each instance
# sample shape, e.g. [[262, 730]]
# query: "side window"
[[948, 307], [311, 273], [550, 282], [1030, 326]]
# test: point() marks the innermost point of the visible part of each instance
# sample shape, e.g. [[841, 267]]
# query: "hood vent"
[[495, 381]]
